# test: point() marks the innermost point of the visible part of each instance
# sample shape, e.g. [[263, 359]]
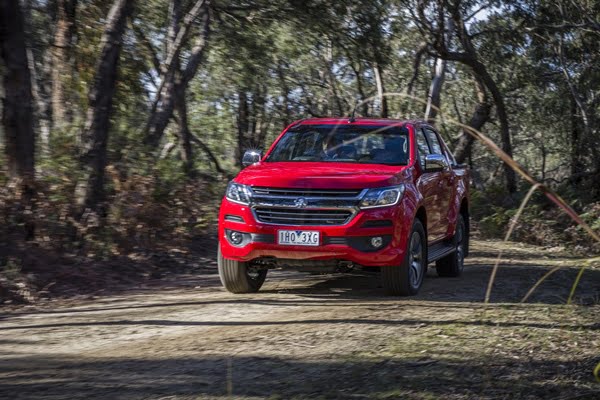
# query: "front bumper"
[[347, 242]]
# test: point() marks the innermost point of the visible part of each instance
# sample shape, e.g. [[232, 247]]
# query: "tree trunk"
[[576, 165], [41, 107], [336, 106], [164, 104], [416, 67], [243, 124], [435, 90], [405, 106], [377, 70], [174, 21], [509, 173], [61, 54], [260, 120], [285, 94], [185, 143], [17, 114], [364, 107], [160, 116], [90, 189], [480, 116]]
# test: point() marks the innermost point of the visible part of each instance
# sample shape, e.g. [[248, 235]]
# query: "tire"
[[406, 279], [236, 277], [452, 265]]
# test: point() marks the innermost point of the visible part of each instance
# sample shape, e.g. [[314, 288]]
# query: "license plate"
[[299, 238]]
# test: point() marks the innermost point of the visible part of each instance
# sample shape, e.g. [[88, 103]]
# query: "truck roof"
[[356, 121]]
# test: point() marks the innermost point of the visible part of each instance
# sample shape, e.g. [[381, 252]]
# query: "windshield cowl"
[[320, 175]]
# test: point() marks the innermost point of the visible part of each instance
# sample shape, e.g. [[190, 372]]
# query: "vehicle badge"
[[300, 203]]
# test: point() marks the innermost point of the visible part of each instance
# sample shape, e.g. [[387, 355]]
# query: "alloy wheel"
[[416, 259]]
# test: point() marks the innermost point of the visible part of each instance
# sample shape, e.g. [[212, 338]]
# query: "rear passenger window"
[[422, 146], [436, 148]]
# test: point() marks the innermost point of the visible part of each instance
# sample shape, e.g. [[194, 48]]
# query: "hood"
[[319, 175]]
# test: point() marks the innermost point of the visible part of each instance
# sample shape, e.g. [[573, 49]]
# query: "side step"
[[439, 250]]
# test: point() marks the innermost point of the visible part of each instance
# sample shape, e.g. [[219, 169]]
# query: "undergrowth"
[[144, 214], [541, 222]]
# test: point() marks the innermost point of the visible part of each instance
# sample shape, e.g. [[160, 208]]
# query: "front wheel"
[[406, 279], [238, 277]]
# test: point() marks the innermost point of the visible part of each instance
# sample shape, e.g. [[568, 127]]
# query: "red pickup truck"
[[334, 194]]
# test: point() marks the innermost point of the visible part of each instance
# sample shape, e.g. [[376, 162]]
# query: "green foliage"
[[293, 60], [541, 222]]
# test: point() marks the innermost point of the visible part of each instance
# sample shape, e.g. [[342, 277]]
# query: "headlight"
[[238, 193], [382, 197]]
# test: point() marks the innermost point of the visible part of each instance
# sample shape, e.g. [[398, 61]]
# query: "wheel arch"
[[421, 215]]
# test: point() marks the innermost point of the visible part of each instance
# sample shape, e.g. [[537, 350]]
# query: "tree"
[[433, 24], [61, 60], [171, 79], [17, 112], [481, 114], [90, 188]]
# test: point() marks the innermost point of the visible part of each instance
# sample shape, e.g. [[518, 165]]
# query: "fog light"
[[376, 241], [235, 237]]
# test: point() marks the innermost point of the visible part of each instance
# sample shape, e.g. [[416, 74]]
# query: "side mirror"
[[251, 157], [436, 162]]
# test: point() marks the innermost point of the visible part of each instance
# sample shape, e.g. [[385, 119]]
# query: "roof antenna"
[[352, 117]]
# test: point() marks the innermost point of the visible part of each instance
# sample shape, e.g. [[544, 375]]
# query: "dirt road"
[[311, 337]]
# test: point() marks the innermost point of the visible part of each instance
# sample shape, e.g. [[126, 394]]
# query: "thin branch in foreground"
[[539, 282]]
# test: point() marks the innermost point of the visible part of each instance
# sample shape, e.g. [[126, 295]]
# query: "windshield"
[[349, 144]]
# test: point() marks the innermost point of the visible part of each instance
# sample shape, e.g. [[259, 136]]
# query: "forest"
[[123, 120]]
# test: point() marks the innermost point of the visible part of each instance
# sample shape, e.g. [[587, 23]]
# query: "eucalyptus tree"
[[173, 76], [93, 158], [62, 55], [432, 18], [564, 40], [17, 110]]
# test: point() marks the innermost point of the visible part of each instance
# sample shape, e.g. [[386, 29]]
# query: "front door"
[[445, 183], [429, 186]]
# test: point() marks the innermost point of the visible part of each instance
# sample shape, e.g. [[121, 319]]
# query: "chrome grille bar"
[[309, 193], [303, 216], [308, 207]]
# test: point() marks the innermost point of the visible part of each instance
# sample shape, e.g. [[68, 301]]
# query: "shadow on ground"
[[287, 379], [511, 285]]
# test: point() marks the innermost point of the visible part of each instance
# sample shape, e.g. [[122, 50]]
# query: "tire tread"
[[395, 279], [234, 277]]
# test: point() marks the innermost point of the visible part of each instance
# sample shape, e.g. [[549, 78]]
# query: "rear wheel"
[[239, 277], [453, 264], [407, 278]]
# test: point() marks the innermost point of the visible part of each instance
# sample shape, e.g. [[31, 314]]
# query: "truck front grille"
[[315, 193], [291, 216]]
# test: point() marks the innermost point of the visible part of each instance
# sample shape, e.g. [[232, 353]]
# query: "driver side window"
[[436, 148], [422, 147]]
